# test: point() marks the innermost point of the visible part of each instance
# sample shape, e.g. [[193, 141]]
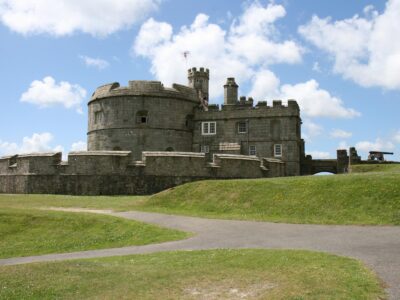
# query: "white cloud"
[[396, 137], [340, 134], [79, 146], [246, 51], [317, 102], [319, 154], [38, 142], [311, 129], [247, 47], [47, 93], [364, 49], [94, 62], [64, 17], [378, 145]]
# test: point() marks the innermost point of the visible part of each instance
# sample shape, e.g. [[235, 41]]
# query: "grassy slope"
[[30, 232], [368, 198], [212, 274], [344, 199]]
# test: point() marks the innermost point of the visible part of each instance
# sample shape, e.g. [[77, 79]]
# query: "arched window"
[[142, 117]]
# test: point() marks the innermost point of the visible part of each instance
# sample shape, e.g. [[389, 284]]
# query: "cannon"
[[378, 155]]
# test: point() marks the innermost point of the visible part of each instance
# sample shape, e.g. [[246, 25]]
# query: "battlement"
[[247, 106], [201, 72], [86, 172], [145, 88]]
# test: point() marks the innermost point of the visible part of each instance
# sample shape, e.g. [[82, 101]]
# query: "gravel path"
[[377, 246]]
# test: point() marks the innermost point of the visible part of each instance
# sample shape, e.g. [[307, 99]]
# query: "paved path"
[[377, 246]]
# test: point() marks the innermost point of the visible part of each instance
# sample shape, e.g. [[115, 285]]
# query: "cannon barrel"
[[380, 152]]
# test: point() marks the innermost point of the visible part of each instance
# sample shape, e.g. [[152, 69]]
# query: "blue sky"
[[340, 59]]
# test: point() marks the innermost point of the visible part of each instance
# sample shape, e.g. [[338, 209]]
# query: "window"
[[204, 148], [252, 150], [242, 127], [208, 128], [169, 149], [277, 150], [142, 117], [98, 117]]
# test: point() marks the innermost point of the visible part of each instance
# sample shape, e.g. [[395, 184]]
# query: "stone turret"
[[230, 91], [198, 79]]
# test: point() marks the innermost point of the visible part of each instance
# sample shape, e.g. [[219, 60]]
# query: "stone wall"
[[117, 172], [266, 126], [144, 116]]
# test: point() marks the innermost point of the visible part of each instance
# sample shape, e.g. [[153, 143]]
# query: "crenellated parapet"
[[110, 171], [246, 107], [145, 88]]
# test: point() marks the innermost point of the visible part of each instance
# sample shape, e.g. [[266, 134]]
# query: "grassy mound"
[[343, 199], [375, 168], [30, 232], [211, 274]]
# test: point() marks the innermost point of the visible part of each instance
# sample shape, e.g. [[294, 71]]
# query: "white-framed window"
[[278, 150], [252, 150], [204, 148], [242, 127], [208, 128]]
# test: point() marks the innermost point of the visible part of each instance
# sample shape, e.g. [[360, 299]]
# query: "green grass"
[[375, 168], [211, 274], [30, 232], [343, 199]]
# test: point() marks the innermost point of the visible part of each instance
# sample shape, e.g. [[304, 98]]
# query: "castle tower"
[[230, 91], [198, 79]]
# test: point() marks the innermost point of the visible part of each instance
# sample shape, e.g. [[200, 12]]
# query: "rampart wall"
[[117, 173]]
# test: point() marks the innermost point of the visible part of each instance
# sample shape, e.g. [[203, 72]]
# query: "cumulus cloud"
[[79, 146], [340, 134], [38, 142], [94, 62], [317, 102], [319, 154], [311, 130], [48, 92], [64, 17], [245, 48], [313, 101], [377, 145], [364, 49]]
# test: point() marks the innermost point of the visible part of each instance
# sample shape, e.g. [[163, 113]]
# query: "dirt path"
[[377, 246]]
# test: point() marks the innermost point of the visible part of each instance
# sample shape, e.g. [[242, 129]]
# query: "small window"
[[142, 117], [169, 149], [208, 128], [242, 127], [117, 148], [252, 150], [205, 149], [277, 150], [98, 117]]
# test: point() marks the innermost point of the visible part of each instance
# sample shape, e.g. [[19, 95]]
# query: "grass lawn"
[[211, 274], [31, 232]]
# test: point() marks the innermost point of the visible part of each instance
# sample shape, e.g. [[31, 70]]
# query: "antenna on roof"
[[186, 55]]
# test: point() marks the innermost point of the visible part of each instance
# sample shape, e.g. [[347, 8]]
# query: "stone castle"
[[145, 137]]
